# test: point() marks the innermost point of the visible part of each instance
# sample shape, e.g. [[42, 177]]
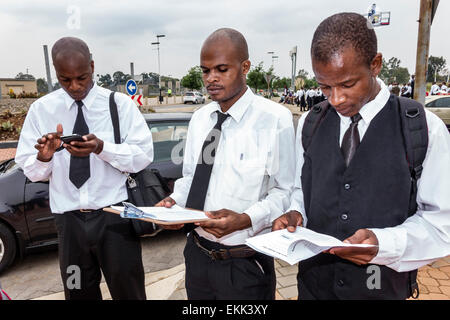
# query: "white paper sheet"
[[293, 247], [173, 214]]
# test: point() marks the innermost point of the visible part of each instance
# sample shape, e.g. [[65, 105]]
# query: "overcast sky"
[[119, 32]]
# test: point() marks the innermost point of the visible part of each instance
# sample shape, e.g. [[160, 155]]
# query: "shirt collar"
[[238, 109], [87, 101], [371, 109]]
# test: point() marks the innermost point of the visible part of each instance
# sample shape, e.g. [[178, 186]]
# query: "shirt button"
[[346, 186], [340, 283], [344, 216]]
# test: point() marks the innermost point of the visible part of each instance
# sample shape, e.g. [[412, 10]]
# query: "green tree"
[[23, 76], [281, 83], [41, 85], [302, 73], [120, 78], [391, 71], [435, 66], [255, 77], [193, 80], [105, 80]]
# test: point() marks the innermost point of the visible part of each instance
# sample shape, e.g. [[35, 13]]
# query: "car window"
[[190, 94], [442, 103], [167, 135]]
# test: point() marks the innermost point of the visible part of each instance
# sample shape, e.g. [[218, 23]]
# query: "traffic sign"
[[131, 87], [137, 99]]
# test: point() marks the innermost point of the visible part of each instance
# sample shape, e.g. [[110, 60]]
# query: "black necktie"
[[200, 182], [351, 139], [79, 166]]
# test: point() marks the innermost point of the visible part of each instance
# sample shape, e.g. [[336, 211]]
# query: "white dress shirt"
[[425, 236], [253, 167], [106, 184]]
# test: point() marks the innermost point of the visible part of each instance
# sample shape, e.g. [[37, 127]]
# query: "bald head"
[[69, 47], [236, 39]]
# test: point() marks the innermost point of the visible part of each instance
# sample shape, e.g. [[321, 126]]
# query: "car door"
[[41, 224]]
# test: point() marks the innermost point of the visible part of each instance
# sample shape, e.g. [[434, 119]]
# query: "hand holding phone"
[[73, 137]]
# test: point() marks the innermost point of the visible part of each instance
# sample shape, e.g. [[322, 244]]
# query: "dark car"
[[26, 222]]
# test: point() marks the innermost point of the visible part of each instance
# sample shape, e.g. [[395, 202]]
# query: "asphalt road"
[[38, 273]]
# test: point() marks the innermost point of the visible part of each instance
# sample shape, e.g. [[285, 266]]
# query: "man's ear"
[[246, 66], [376, 64], [92, 66]]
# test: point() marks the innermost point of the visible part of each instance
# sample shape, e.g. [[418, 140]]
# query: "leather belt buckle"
[[85, 210], [220, 254]]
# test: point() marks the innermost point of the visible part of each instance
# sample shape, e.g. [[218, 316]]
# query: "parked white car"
[[193, 97]]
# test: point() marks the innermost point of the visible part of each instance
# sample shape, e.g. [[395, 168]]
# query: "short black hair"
[[341, 31], [236, 38]]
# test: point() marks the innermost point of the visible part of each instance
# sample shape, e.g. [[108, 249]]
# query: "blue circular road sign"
[[131, 87]]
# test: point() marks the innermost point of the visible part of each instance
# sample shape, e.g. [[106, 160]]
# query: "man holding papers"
[[353, 181], [238, 167]]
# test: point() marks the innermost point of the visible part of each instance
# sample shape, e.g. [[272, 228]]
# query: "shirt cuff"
[[391, 245], [260, 217], [179, 199], [107, 153], [37, 170]]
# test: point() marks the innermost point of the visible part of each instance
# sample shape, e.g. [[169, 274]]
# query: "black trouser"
[[96, 241], [250, 278]]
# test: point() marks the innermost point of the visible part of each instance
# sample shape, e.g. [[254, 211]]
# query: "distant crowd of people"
[[407, 89], [439, 89], [304, 99]]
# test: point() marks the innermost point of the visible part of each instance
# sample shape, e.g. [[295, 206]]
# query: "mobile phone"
[[73, 137]]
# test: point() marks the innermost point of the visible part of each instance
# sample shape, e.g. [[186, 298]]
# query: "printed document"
[[293, 247]]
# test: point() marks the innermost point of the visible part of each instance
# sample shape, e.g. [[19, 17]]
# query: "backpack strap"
[[415, 137], [114, 117], [312, 122]]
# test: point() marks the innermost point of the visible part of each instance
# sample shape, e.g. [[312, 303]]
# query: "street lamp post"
[[271, 53], [159, 64]]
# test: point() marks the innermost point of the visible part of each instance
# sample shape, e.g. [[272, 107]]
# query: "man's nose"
[[74, 86], [211, 77], [336, 97]]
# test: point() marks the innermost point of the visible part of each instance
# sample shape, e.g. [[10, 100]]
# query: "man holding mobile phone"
[[85, 175]]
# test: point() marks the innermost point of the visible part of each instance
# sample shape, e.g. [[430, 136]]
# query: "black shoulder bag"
[[146, 187]]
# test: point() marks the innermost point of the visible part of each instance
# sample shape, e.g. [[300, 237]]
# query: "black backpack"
[[415, 138], [146, 187]]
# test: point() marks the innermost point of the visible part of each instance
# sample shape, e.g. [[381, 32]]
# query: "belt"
[[95, 210], [223, 254]]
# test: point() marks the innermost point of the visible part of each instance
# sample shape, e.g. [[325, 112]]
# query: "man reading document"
[[238, 166]]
